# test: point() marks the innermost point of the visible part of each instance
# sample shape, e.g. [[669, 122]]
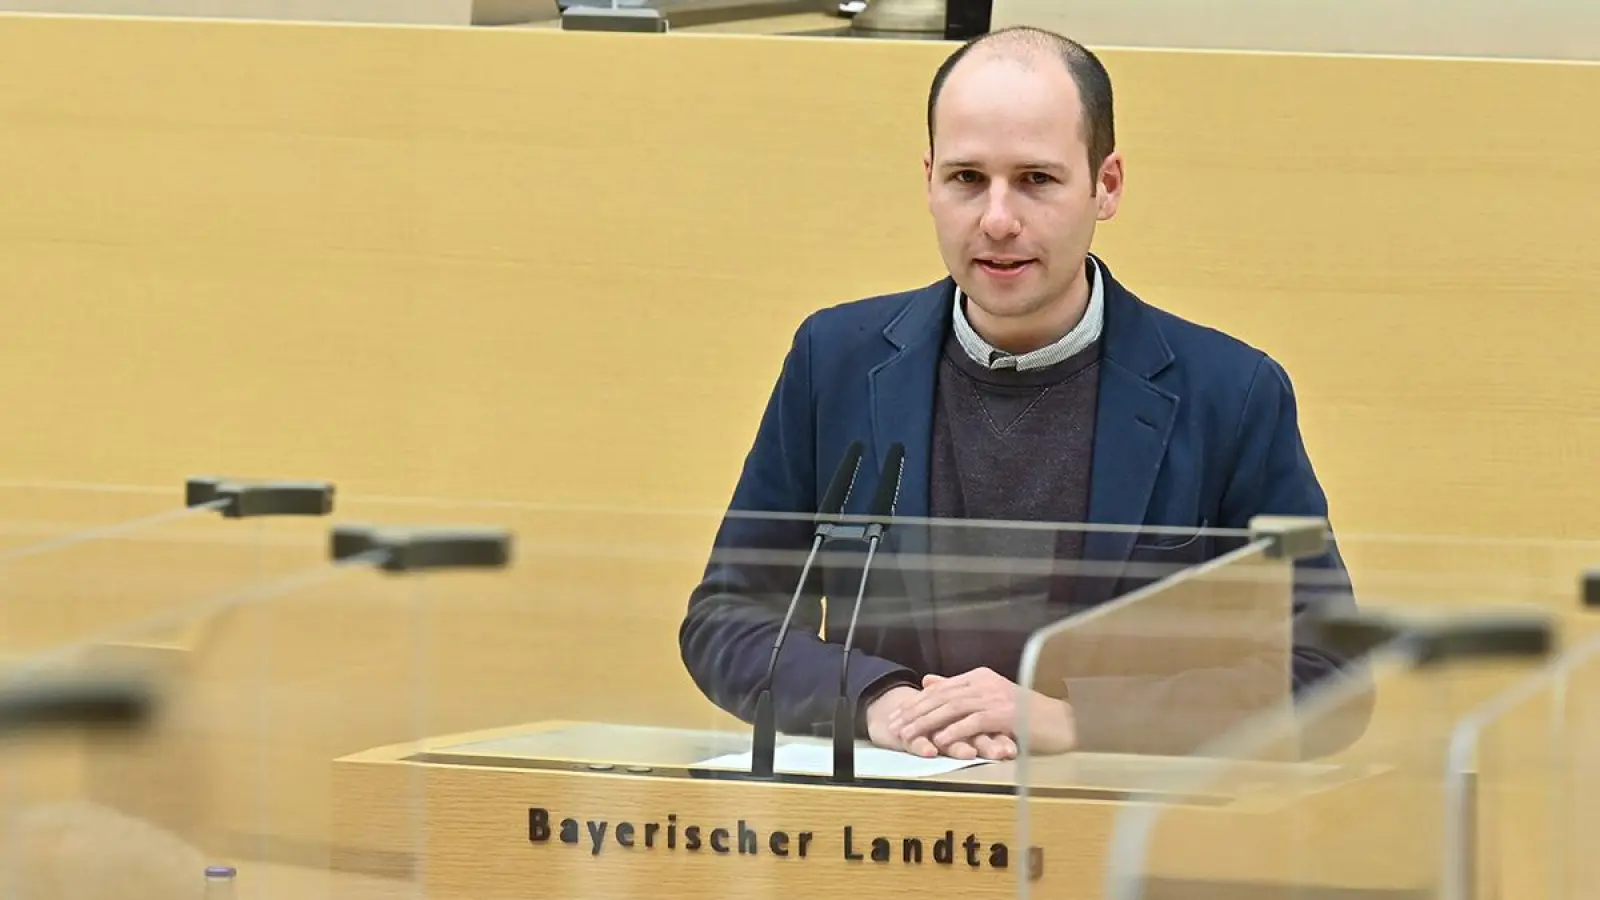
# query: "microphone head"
[[888, 493], [844, 479]]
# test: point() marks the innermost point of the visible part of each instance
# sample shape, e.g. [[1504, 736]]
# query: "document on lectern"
[[871, 762]]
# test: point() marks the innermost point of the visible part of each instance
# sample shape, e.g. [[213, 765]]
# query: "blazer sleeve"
[[737, 609], [1273, 475]]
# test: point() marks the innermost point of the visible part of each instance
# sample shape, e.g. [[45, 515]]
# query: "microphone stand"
[[764, 737], [844, 710]]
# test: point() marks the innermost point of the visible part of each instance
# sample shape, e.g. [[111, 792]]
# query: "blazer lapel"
[[1131, 432], [1133, 424], [902, 392]]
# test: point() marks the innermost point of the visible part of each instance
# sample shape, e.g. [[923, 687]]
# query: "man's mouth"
[[1003, 265]]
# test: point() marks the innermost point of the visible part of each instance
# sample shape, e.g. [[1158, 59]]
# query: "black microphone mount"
[[764, 738], [872, 530]]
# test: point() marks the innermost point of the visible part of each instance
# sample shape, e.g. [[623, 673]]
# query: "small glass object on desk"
[[220, 882]]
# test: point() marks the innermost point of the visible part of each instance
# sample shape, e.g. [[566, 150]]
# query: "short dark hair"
[[1094, 83]]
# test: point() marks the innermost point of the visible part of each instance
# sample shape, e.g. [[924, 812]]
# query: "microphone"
[[764, 742], [878, 515]]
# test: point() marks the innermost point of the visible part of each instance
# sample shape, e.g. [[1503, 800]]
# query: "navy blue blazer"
[[1194, 429]]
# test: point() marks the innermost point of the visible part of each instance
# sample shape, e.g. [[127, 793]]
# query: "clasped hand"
[[969, 716]]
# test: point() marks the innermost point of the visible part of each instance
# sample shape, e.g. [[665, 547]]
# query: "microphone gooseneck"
[[879, 514], [764, 737]]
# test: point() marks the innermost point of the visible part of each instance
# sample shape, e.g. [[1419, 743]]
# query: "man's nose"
[[999, 222]]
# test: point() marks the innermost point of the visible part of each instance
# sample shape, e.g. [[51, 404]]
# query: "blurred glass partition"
[[96, 581], [593, 712], [1188, 657], [1419, 572], [452, 698], [573, 717], [1252, 813], [77, 560], [1524, 770], [1151, 678], [36, 515], [225, 787], [1576, 741]]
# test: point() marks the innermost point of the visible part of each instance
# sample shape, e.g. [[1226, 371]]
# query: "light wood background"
[[512, 270], [494, 265], [1539, 29]]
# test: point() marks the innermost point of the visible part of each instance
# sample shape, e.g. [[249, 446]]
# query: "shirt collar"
[[1086, 332]]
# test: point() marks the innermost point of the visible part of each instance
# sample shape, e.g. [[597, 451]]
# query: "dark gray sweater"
[[1014, 446]]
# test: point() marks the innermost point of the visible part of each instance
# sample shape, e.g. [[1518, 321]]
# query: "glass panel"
[[1524, 764], [77, 561], [1158, 679], [1576, 799], [1179, 662], [33, 516], [210, 611], [1253, 815], [587, 738], [1431, 572], [1264, 809], [571, 724]]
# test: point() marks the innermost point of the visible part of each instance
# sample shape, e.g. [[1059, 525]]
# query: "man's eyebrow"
[[1043, 165], [1033, 165]]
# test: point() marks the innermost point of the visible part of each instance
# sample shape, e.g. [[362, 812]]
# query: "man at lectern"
[[1028, 385]]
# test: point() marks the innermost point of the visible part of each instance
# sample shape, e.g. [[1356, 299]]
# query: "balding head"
[[1021, 168], [1032, 47]]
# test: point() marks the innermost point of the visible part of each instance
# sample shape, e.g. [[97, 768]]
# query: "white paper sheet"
[[871, 762]]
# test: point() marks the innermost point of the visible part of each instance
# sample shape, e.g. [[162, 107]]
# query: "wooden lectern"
[[606, 810], [585, 809]]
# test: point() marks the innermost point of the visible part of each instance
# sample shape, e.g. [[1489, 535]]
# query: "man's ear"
[[1108, 186]]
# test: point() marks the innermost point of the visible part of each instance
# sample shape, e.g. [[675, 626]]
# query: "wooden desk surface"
[[674, 752]]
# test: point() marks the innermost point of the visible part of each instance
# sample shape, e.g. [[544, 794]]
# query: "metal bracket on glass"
[[241, 499], [420, 549], [1291, 537]]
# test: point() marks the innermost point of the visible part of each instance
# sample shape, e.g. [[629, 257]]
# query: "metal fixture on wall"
[[920, 17]]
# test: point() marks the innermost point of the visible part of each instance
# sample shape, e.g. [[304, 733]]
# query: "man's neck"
[[1025, 334], [1047, 342]]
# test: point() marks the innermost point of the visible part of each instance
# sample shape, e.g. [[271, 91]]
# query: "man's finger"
[[966, 728], [974, 677], [931, 721], [922, 747], [990, 746], [930, 699], [926, 702], [961, 750]]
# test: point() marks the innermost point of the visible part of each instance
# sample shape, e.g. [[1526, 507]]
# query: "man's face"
[[1014, 203]]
